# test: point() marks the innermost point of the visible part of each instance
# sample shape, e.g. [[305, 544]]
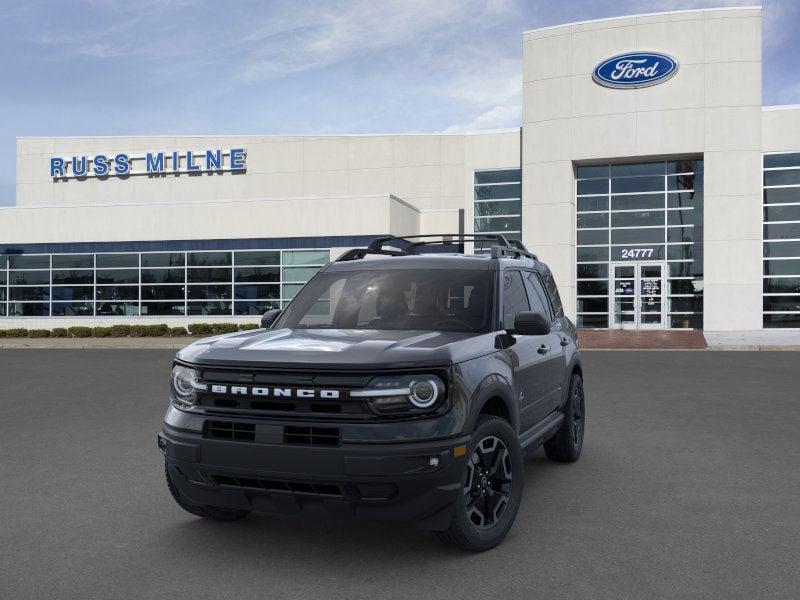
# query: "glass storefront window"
[[29, 278], [497, 204], [73, 261], [257, 258], [163, 259], [67, 277], [781, 248], [208, 259], [108, 276], [648, 212], [117, 261], [114, 284], [163, 276], [26, 261]]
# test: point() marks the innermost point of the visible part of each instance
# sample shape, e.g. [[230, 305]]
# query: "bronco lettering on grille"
[[276, 392]]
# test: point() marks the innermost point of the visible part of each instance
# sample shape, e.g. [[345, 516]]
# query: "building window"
[[130, 284], [781, 247], [498, 203], [645, 213]]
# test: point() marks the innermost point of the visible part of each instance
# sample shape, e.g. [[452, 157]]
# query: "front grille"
[[312, 436], [231, 430], [231, 392], [277, 485], [265, 433]]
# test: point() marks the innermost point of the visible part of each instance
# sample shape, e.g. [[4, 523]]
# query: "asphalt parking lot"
[[689, 487]]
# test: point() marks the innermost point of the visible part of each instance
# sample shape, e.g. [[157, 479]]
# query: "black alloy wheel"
[[491, 487], [487, 488]]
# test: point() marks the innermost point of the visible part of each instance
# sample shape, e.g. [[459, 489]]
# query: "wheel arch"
[[495, 398]]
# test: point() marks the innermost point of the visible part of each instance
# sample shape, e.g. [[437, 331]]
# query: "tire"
[[207, 512], [486, 510], [565, 446]]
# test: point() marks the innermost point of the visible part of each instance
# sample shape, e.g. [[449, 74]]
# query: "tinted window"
[[537, 295], [515, 298], [115, 261], [552, 293], [433, 300]]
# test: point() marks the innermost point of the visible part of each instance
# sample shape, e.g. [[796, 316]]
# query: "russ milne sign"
[[151, 163], [635, 70]]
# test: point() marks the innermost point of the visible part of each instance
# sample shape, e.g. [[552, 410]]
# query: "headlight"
[[185, 383], [403, 394]]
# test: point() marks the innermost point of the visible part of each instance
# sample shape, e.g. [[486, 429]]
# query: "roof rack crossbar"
[[502, 246]]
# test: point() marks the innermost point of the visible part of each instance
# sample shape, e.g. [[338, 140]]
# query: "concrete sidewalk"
[[765, 339]]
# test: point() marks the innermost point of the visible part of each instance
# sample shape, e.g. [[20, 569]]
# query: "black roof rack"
[[404, 246]]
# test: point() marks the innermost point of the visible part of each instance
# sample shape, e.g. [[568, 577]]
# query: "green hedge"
[[116, 331]]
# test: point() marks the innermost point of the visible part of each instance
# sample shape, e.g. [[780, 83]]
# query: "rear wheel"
[[566, 444], [207, 512], [491, 488]]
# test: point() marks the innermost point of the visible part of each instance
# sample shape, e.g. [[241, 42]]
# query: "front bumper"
[[415, 482]]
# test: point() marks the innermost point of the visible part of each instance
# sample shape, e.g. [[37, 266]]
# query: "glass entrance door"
[[637, 295]]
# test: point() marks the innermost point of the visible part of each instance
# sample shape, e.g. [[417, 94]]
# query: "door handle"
[[543, 349]]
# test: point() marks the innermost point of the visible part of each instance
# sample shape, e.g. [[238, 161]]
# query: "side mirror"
[[269, 317], [531, 323]]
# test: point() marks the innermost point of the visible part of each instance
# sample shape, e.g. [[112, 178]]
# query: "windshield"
[[435, 300]]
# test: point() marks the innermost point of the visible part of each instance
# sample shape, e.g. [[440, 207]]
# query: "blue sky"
[[295, 67]]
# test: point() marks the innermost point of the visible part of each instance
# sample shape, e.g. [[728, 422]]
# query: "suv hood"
[[338, 349]]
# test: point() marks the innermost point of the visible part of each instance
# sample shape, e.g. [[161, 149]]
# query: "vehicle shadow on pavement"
[[265, 537]]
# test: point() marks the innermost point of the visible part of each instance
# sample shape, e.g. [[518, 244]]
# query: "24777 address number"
[[637, 252]]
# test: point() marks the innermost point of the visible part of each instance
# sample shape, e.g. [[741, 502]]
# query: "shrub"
[[219, 328], [120, 330], [59, 332], [80, 332], [200, 329], [16, 332], [101, 332], [248, 326], [149, 330], [157, 330], [38, 333], [177, 331], [138, 331]]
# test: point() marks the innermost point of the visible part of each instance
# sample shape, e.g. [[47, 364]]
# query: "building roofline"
[[267, 135], [652, 14], [781, 107]]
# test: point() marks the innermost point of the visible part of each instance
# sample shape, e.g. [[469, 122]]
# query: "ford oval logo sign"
[[635, 70]]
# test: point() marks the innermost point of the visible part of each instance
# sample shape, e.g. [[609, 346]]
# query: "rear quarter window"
[[552, 292]]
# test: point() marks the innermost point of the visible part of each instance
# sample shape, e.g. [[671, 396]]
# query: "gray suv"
[[405, 382]]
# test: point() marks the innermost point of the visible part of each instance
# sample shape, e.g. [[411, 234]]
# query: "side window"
[[537, 295], [552, 291], [515, 299]]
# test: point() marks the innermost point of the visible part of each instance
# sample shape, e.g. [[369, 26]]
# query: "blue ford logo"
[[635, 70]]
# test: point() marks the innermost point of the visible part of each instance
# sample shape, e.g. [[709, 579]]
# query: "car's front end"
[[386, 446]]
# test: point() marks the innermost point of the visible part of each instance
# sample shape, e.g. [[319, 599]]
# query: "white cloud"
[[324, 37], [497, 117]]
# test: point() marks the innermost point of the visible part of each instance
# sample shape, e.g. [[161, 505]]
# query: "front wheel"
[[566, 444], [491, 488]]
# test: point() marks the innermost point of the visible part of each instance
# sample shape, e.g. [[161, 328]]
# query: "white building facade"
[[658, 188]]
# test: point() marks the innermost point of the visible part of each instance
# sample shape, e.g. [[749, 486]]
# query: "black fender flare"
[[574, 366], [493, 386]]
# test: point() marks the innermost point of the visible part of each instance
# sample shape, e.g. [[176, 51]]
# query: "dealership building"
[[645, 172]]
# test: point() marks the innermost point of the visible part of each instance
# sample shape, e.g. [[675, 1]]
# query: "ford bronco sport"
[[404, 382]]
